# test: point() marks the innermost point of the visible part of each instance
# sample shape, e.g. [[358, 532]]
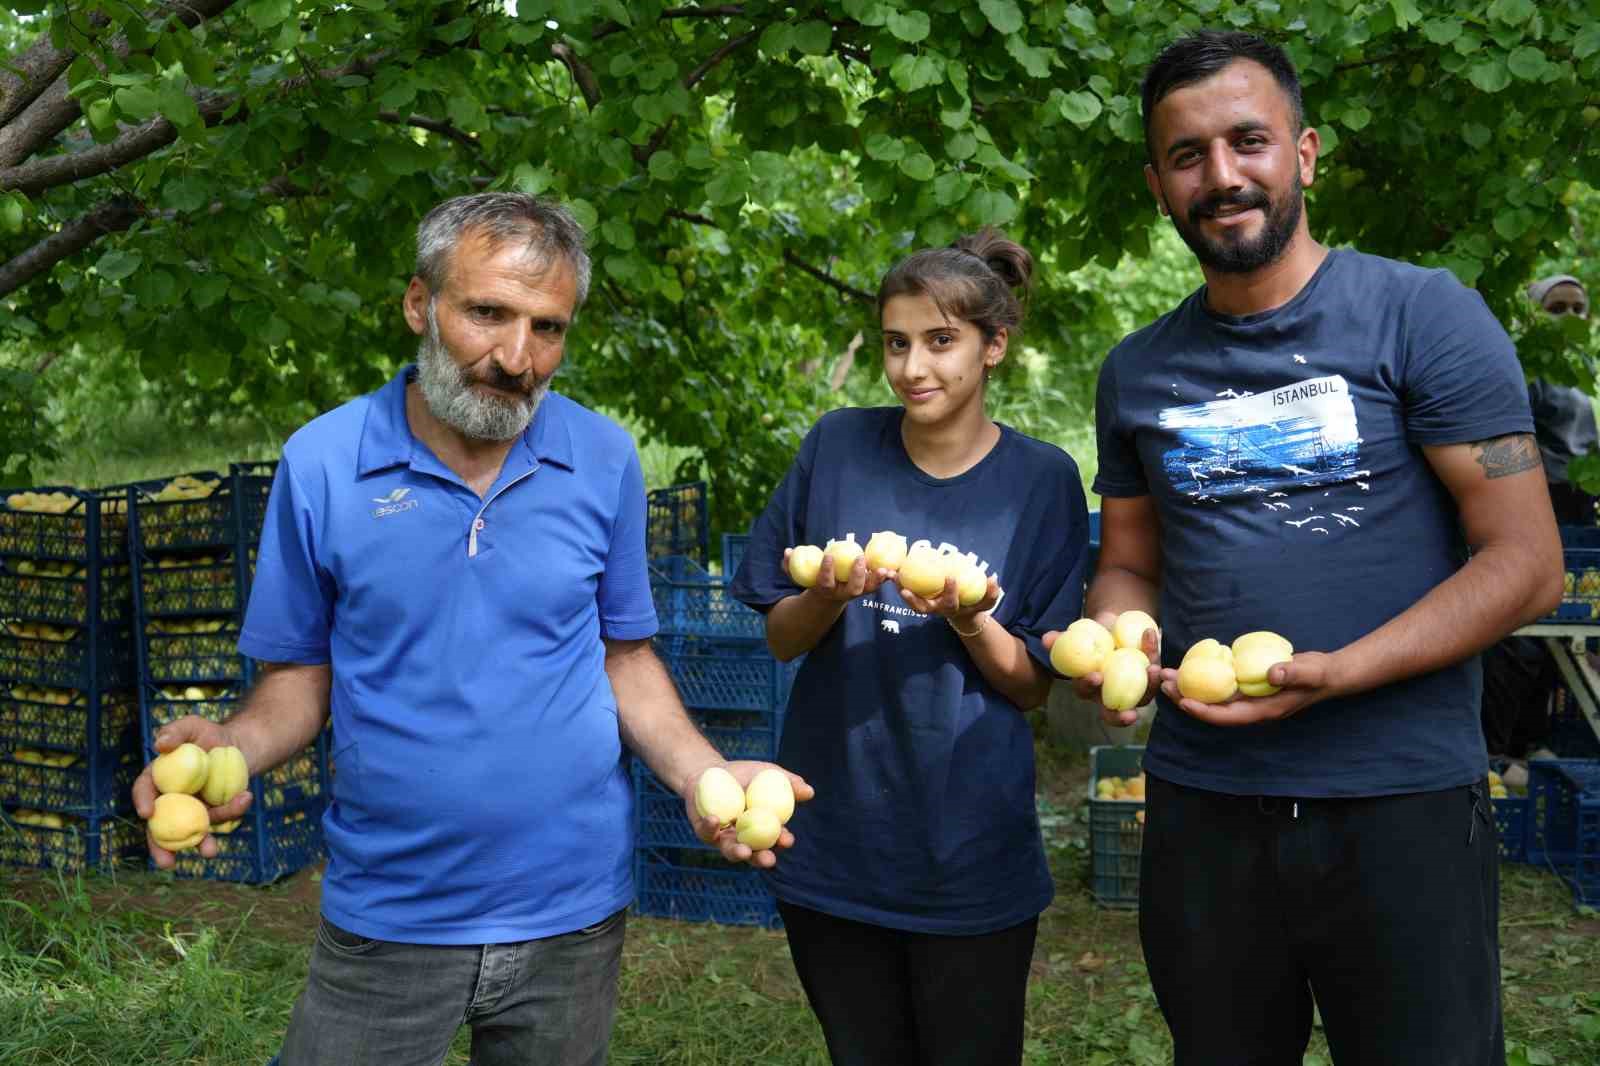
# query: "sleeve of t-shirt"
[[1120, 472], [626, 609], [760, 581], [290, 614], [1462, 380], [1053, 595]]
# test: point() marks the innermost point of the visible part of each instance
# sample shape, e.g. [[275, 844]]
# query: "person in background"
[[1563, 416], [912, 896]]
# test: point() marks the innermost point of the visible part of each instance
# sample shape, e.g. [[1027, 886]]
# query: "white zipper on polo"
[[477, 519]]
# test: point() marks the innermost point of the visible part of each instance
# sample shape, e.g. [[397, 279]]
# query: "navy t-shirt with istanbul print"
[[924, 818], [1283, 454]]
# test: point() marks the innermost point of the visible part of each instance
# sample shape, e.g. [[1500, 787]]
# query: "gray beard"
[[448, 390]]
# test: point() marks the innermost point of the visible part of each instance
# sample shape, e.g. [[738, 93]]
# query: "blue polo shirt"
[[480, 794]]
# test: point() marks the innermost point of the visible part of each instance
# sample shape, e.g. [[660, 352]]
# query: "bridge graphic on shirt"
[[1302, 435]]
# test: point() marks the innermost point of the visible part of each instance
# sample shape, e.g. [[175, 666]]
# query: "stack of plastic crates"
[[1563, 830], [678, 522], [69, 739], [715, 649], [1580, 597], [1116, 827], [193, 541]]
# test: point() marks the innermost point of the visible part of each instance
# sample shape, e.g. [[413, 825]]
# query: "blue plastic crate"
[[696, 886], [171, 658], [98, 783], [253, 483], [1116, 828], [65, 719], [733, 549], [163, 704], [1564, 822], [64, 592], [94, 527], [659, 819], [189, 585], [678, 522], [80, 846], [691, 602], [160, 522], [1580, 596], [724, 675], [1511, 825], [91, 658], [1571, 736]]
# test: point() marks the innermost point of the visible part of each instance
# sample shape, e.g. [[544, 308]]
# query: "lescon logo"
[[393, 503]]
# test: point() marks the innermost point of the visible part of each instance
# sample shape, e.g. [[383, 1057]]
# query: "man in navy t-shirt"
[[453, 568], [1337, 448]]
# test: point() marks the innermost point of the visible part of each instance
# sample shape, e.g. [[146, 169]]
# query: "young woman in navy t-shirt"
[[911, 897]]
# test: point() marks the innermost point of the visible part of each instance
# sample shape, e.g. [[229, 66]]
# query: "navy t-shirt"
[[924, 817], [1283, 455]]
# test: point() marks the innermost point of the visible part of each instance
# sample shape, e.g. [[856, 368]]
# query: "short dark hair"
[[1206, 52]]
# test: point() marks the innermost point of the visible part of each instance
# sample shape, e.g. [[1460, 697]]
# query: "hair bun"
[[1009, 260]]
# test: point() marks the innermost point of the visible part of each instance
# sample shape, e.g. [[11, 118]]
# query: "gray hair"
[[546, 227]]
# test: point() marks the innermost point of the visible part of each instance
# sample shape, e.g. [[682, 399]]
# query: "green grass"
[[136, 968]]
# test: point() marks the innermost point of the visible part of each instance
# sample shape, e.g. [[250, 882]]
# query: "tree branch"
[[606, 29], [582, 76], [433, 125], [826, 278], [52, 110], [110, 217], [688, 216], [718, 56]]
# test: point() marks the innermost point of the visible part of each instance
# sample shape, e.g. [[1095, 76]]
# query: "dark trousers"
[[891, 998], [1384, 910]]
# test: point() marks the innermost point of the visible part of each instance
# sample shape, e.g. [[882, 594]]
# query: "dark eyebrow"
[[1238, 129]]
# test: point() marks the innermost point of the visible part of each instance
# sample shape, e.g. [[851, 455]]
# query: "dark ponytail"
[[983, 278]]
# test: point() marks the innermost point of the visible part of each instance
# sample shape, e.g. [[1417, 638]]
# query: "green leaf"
[[1405, 12], [868, 12], [776, 39], [912, 72], [1081, 20], [185, 193], [909, 26], [1036, 61], [990, 207], [583, 211], [117, 264], [268, 13], [617, 233], [207, 289], [664, 166], [1527, 63], [1513, 222], [1476, 135], [137, 103], [455, 31], [1003, 15], [950, 187], [769, 168], [1330, 139], [1441, 31], [886, 148], [728, 185], [209, 365], [527, 178], [1587, 41], [960, 145], [1356, 118], [100, 114], [13, 212], [155, 288], [1512, 12], [1489, 75], [813, 38], [917, 167], [1079, 108]]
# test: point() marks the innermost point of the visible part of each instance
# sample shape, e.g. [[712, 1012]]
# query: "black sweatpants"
[[1386, 910], [886, 997]]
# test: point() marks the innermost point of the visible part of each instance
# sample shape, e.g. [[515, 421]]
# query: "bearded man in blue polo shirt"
[[454, 568]]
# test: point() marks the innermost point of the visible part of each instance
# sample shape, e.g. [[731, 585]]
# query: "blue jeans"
[[542, 1002]]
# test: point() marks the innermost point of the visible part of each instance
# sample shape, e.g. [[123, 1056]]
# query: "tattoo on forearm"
[[1504, 456]]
